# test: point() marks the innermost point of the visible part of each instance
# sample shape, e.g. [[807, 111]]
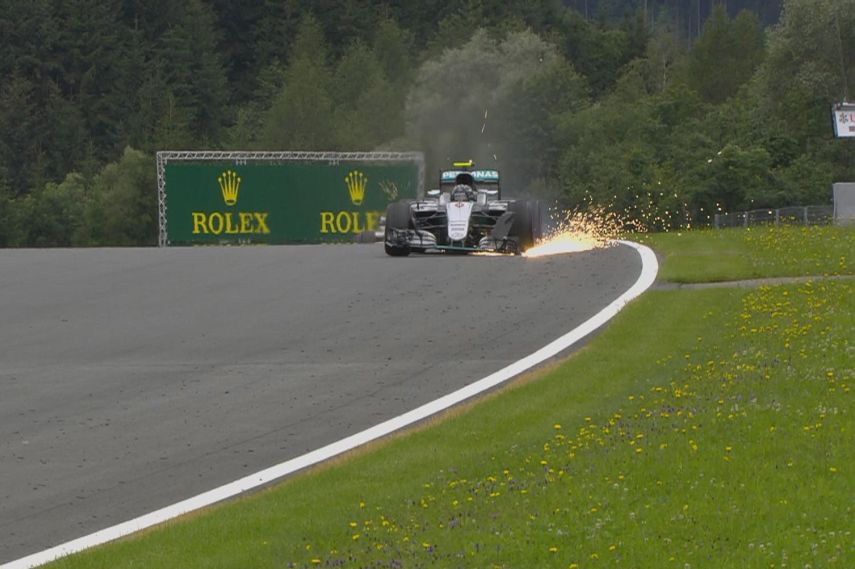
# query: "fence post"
[[716, 222], [777, 217], [745, 219], [805, 215]]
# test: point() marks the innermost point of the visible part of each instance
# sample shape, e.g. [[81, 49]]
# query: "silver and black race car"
[[466, 214]]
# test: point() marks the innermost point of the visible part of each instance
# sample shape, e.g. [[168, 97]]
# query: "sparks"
[[578, 231], [565, 242]]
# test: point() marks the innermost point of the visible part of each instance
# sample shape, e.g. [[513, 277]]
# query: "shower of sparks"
[[564, 242], [578, 231]]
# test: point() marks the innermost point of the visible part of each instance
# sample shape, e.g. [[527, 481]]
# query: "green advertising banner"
[[219, 202]]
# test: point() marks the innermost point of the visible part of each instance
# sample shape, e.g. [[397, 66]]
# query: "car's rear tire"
[[398, 219]]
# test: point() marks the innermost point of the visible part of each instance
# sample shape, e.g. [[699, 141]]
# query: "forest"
[[664, 111]]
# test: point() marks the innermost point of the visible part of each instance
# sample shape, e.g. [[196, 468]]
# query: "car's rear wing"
[[482, 179]]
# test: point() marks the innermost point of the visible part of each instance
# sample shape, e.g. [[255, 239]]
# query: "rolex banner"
[[293, 202]]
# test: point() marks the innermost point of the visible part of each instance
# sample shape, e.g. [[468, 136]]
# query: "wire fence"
[[797, 215]]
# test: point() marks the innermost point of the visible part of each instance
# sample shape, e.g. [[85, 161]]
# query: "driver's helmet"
[[465, 178], [461, 193]]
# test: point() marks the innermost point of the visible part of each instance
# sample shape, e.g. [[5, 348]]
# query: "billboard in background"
[[844, 120], [244, 201]]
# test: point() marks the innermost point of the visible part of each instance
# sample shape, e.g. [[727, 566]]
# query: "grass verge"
[[756, 252], [703, 428]]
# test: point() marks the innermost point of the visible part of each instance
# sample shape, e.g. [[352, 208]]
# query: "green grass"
[[708, 428], [759, 252]]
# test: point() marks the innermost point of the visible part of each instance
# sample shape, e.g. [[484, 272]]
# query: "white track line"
[[648, 275]]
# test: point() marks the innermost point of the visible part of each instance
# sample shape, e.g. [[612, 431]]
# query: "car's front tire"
[[398, 219], [527, 225]]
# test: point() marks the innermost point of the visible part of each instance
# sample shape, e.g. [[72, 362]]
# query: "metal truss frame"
[[240, 158]]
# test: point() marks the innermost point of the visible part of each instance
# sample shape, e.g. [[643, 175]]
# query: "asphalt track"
[[134, 378]]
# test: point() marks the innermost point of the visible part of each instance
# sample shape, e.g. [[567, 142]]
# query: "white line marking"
[[649, 269]]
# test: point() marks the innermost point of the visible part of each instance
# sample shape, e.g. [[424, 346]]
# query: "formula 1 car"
[[466, 214]]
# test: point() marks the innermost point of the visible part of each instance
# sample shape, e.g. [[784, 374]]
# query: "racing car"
[[465, 214]]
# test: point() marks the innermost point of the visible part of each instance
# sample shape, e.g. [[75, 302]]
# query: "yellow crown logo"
[[356, 182], [230, 185]]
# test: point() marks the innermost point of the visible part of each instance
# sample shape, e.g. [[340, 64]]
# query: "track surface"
[[134, 378]]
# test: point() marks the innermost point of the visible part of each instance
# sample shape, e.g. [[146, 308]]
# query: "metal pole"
[[699, 18], [842, 63]]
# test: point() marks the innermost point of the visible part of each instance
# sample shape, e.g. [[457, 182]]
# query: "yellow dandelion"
[[553, 549]]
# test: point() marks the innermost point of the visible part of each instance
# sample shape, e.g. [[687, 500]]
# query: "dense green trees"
[[665, 111], [493, 101], [726, 55], [113, 207]]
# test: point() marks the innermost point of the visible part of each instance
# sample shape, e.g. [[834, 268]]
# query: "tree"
[[43, 134], [367, 108], [736, 179], [393, 48], [345, 21], [456, 28], [191, 66], [301, 115], [528, 120], [19, 143], [50, 216], [238, 25], [248, 128], [5, 203], [598, 53], [726, 55], [122, 206], [810, 65], [276, 31], [666, 60], [812, 51], [462, 102], [89, 47]]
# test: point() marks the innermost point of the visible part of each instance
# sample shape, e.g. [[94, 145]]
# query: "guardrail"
[[797, 215]]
